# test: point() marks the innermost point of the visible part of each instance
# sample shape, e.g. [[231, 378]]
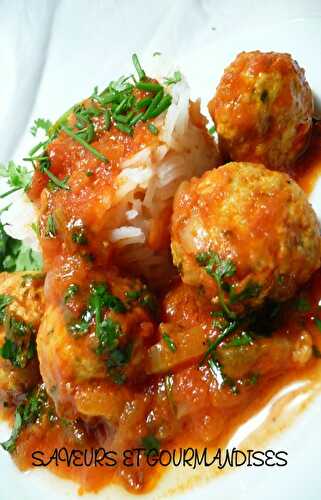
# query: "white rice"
[[146, 186]]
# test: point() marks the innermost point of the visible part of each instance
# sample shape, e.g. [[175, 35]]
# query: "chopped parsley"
[[219, 269], [153, 129], [108, 333], [28, 412], [79, 237], [117, 105], [71, 291], [223, 379], [5, 300], [151, 444], [41, 123], [107, 330], [16, 256], [116, 361], [171, 80], [240, 340], [17, 354], [144, 297], [213, 345], [251, 290], [170, 343], [19, 345], [17, 177]]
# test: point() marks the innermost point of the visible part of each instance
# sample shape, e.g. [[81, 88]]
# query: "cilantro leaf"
[[41, 123], [108, 335], [16, 256], [27, 412], [17, 177], [218, 269], [19, 344], [117, 359]]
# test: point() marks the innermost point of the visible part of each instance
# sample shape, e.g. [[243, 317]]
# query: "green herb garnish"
[[28, 412], [79, 237], [118, 358], [139, 69], [151, 444], [171, 80], [71, 291], [16, 256], [51, 229], [144, 298], [153, 130], [219, 270], [84, 143], [19, 344], [5, 300], [241, 340], [251, 290], [41, 123], [17, 177], [223, 379], [213, 345], [170, 343]]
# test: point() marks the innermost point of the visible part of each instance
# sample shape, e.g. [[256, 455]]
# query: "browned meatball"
[[86, 365], [245, 232], [262, 109], [22, 306]]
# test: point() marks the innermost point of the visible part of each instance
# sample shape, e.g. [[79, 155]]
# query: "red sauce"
[[308, 168], [200, 411], [211, 417]]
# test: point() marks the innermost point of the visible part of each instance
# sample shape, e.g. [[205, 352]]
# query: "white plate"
[[63, 77]]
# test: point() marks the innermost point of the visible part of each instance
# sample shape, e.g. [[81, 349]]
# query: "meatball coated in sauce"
[[19, 370], [263, 109], [253, 226], [92, 348]]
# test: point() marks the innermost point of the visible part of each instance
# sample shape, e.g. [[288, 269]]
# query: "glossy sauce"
[[201, 426]]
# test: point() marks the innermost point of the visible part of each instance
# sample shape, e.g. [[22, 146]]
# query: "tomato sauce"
[[196, 409]]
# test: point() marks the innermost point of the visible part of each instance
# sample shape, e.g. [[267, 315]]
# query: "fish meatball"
[[263, 109], [243, 233], [88, 360], [21, 309]]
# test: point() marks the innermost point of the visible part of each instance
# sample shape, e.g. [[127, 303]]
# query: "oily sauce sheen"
[[186, 417]]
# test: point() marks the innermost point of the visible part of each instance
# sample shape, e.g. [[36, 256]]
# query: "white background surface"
[[52, 53]]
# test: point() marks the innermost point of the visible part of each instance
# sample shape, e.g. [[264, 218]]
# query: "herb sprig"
[[107, 330], [18, 177], [28, 412], [219, 270]]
